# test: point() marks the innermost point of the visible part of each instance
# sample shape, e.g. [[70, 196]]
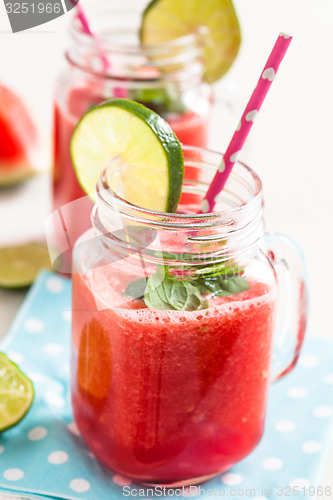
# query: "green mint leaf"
[[195, 300], [184, 296], [136, 288], [227, 269], [171, 289], [155, 296], [222, 287], [176, 293], [165, 292]]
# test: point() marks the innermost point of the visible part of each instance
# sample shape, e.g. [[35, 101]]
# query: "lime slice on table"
[[143, 155], [165, 20], [16, 393], [19, 265]]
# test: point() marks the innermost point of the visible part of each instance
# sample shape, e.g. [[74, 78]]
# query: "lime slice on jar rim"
[[214, 20], [16, 393], [143, 156]]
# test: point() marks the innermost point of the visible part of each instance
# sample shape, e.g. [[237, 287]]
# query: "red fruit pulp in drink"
[[168, 396]]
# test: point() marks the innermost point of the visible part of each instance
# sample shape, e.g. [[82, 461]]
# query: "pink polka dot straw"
[[267, 76]]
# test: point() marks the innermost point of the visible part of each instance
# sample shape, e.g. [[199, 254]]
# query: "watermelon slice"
[[18, 139]]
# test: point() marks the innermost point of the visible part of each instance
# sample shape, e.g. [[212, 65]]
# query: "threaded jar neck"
[[234, 229], [117, 53]]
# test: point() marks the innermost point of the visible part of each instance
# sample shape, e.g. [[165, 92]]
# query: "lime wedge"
[[19, 265], [165, 20], [16, 393], [143, 155]]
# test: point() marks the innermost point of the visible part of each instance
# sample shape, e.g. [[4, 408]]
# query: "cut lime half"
[[16, 393], [165, 20], [142, 155], [20, 265]]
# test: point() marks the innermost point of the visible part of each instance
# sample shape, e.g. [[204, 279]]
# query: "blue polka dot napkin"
[[44, 456]]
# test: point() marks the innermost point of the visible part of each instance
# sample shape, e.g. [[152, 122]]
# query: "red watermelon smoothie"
[[167, 396], [190, 128]]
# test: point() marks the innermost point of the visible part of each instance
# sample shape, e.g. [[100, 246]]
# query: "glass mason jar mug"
[[167, 77], [173, 328]]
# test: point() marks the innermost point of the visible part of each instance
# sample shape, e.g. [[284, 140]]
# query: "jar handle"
[[292, 306]]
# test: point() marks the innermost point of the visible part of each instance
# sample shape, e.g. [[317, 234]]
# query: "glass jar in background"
[[170, 396], [166, 77]]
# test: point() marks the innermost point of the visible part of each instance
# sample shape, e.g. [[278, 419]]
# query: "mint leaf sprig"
[[166, 291], [188, 290]]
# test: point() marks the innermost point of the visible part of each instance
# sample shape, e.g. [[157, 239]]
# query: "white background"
[[289, 146]]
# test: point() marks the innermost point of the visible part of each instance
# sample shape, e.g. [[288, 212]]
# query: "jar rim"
[[248, 209], [186, 41], [180, 58]]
